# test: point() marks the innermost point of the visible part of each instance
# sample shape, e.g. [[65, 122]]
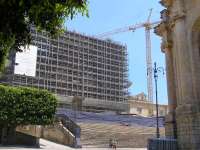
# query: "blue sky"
[[106, 15]]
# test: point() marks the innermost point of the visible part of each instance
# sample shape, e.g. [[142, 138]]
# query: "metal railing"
[[162, 144], [69, 124]]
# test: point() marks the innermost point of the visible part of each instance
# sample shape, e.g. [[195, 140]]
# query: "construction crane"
[[148, 26]]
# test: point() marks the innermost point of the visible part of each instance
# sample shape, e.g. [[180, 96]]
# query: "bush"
[[24, 106]]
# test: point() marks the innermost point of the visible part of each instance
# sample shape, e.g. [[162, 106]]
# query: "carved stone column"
[[187, 112], [164, 30], [170, 123]]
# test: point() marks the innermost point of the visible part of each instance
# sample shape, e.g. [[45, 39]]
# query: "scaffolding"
[[78, 65]]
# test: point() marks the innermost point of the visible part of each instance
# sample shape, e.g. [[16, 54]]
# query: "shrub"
[[24, 106]]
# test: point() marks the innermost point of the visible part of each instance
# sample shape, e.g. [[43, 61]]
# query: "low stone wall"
[[25, 139], [93, 104], [146, 108], [55, 133], [33, 130], [59, 134], [19, 136]]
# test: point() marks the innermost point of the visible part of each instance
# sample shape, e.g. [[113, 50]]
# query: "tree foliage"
[[18, 15], [24, 106]]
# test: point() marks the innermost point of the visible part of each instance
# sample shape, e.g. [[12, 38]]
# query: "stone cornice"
[[168, 22], [163, 30], [166, 3]]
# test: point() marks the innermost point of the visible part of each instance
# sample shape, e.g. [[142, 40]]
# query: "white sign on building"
[[25, 62]]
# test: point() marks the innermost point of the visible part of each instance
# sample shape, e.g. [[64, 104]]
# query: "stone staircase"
[[98, 135]]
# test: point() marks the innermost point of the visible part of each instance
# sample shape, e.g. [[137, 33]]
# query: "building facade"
[[180, 32], [75, 65], [139, 105]]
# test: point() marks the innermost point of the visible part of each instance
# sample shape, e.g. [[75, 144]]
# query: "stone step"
[[98, 135]]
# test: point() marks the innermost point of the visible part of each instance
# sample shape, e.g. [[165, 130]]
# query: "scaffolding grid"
[[74, 64]]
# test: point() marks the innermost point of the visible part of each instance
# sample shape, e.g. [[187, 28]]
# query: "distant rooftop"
[[139, 97], [110, 40]]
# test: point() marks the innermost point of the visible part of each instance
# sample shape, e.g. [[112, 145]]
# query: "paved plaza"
[[47, 145]]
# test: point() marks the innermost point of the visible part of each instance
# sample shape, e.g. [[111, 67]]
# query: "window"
[[161, 113], [139, 110]]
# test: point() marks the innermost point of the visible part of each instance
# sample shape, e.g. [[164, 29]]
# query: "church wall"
[[182, 24]]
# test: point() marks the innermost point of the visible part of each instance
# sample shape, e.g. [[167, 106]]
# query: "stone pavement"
[[47, 145]]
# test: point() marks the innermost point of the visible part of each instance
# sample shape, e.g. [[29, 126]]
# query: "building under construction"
[[74, 65]]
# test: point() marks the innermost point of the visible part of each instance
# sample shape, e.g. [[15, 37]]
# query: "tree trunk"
[[8, 135], [1, 128]]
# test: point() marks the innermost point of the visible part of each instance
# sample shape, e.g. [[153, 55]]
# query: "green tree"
[[18, 15]]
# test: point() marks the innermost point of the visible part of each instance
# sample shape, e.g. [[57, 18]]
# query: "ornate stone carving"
[[179, 11], [164, 15], [164, 31], [177, 16], [166, 3], [163, 28]]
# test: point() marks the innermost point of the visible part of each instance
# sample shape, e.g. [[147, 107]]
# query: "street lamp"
[[85, 73], [82, 82], [156, 70], [83, 86]]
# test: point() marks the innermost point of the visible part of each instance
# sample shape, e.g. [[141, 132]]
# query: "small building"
[[139, 105]]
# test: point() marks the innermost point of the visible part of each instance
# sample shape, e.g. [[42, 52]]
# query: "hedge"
[[24, 106]]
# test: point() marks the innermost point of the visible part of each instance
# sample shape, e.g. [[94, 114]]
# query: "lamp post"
[[156, 70], [83, 86]]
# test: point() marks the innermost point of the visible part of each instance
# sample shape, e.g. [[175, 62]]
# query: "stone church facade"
[[180, 32], [140, 105]]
